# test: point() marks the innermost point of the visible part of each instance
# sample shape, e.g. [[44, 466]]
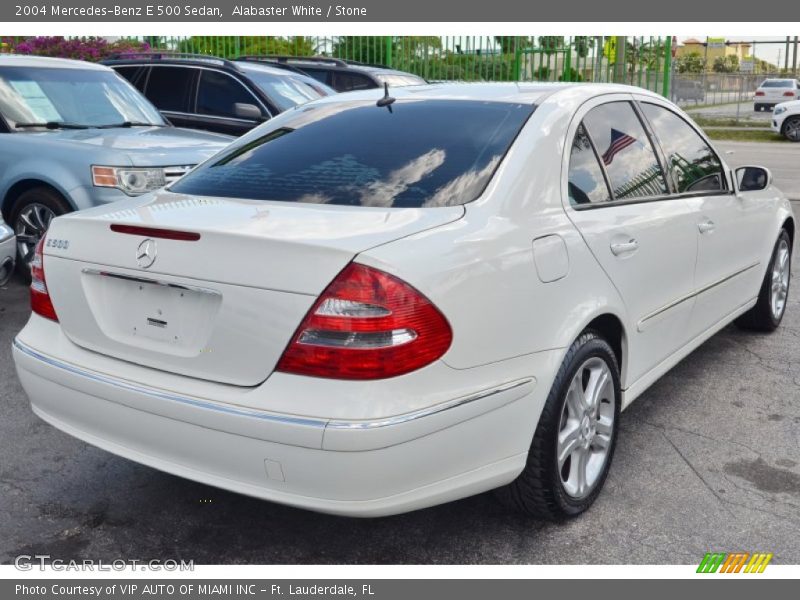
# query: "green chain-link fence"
[[641, 61]]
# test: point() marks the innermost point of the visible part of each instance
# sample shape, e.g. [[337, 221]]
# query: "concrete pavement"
[[782, 158]]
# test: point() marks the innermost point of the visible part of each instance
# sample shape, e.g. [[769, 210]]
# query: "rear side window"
[[586, 182], [694, 166], [171, 88], [421, 153], [219, 93], [626, 151], [347, 82], [321, 75]]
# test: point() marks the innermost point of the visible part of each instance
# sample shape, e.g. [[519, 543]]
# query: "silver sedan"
[[7, 252]]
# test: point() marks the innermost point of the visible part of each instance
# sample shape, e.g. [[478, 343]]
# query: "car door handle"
[[624, 247], [706, 226]]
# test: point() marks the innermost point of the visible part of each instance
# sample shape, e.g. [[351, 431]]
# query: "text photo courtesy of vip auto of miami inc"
[[375, 300]]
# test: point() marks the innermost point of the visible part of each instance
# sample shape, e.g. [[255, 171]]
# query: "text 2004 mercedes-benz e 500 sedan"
[[373, 304]]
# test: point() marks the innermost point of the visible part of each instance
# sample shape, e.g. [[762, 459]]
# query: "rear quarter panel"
[[480, 270]]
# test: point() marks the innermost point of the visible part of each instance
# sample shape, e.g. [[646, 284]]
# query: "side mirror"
[[753, 179], [247, 111]]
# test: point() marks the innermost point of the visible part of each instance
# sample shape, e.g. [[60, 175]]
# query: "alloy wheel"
[[586, 428], [780, 279], [792, 130], [30, 226]]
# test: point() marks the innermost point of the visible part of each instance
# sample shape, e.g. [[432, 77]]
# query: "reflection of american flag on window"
[[619, 141]]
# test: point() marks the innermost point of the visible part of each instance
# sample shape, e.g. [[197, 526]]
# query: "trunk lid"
[[223, 307]]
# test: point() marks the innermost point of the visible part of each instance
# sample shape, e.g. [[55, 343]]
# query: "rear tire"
[[30, 217], [768, 312], [574, 442]]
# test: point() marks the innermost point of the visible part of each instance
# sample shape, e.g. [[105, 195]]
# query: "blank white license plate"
[[152, 314]]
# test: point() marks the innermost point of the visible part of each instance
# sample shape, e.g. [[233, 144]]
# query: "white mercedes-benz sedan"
[[386, 300]]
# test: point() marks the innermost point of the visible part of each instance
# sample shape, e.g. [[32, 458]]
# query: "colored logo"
[[736, 562]]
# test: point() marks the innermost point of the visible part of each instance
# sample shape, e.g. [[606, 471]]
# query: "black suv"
[[341, 75], [215, 94]]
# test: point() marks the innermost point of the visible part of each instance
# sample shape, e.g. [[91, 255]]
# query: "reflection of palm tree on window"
[[688, 173]]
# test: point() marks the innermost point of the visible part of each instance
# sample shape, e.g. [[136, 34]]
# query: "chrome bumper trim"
[[290, 420], [425, 412], [163, 395], [148, 281]]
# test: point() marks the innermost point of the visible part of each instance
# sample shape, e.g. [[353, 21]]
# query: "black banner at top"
[[388, 11]]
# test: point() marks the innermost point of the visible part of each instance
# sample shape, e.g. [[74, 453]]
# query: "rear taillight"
[[367, 324], [40, 298], [760, 94], [791, 94]]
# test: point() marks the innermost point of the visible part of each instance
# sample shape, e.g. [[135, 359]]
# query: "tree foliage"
[[690, 63], [726, 64], [89, 48], [232, 46]]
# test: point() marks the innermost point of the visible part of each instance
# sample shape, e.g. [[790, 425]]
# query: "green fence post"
[[619, 59], [388, 51], [517, 59], [566, 75], [667, 65]]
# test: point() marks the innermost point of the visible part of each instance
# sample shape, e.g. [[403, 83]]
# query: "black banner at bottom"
[[393, 589]]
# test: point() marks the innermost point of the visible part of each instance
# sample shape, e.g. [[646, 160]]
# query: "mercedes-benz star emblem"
[[146, 253]]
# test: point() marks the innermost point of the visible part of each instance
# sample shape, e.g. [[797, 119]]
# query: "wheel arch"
[[789, 226], [611, 328], [788, 118], [23, 185]]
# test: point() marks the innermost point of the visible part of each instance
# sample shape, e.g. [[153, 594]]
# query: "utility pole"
[[794, 57], [786, 57]]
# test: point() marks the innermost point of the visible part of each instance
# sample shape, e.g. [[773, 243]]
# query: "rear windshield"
[[420, 153], [778, 83]]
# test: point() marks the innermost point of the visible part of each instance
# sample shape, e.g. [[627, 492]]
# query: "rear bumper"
[[364, 468]]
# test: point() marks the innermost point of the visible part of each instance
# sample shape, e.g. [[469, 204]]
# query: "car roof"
[[322, 62], [21, 60], [243, 67], [265, 68], [522, 92], [376, 70]]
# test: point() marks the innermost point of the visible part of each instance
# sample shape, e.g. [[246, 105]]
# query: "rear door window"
[[587, 185], [421, 153], [171, 88], [625, 151], [692, 163], [218, 94]]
